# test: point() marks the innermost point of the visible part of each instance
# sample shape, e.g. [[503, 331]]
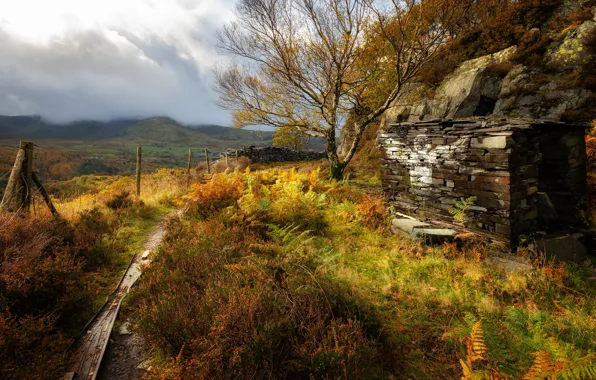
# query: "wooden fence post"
[[207, 157], [188, 168], [22, 175], [139, 154], [236, 155], [27, 194], [14, 179], [227, 163]]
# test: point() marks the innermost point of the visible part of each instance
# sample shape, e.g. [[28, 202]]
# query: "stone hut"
[[518, 176]]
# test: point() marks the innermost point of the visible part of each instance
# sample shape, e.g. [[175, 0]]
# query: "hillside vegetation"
[[56, 273], [276, 274], [281, 273]]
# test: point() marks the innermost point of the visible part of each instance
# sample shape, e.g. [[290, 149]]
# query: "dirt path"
[[124, 353]]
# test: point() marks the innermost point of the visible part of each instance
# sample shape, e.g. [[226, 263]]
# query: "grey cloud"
[[106, 74]]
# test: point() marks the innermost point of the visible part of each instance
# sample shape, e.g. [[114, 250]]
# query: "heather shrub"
[[494, 25], [31, 347], [227, 307], [41, 288], [90, 228], [119, 201]]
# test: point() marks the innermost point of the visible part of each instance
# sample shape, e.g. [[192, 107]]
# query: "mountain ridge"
[[148, 130]]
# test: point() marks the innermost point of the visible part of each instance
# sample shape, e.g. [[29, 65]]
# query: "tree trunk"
[[336, 167]]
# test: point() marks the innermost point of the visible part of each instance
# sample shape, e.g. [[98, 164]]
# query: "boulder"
[[471, 90], [571, 51], [125, 329], [407, 225], [521, 96]]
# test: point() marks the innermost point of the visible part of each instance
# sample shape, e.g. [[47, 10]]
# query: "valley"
[[91, 147]]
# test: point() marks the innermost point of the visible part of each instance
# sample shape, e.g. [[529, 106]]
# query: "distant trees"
[[289, 137], [308, 64]]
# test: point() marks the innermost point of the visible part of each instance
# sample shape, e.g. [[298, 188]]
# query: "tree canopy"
[[308, 64]]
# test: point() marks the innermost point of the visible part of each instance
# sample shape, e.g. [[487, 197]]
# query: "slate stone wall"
[[562, 172], [273, 154], [428, 166]]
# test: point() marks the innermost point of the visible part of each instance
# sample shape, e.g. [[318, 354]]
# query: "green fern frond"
[[580, 369]]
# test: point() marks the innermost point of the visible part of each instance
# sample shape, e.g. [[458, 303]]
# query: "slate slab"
[[561, 247], [408, 225], [434, 235]]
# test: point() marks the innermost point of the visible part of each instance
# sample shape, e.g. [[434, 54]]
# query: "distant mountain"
[[159, 131], [95, 147]]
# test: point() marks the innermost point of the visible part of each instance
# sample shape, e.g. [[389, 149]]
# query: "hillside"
[[154, 130], [95, 147]]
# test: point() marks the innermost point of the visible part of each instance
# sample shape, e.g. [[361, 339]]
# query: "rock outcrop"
[[471, 90], [570, 52], [523, 96], [477, 89], [494, 85]]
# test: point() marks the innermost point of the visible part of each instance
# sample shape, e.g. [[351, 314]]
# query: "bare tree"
[[309, 62]]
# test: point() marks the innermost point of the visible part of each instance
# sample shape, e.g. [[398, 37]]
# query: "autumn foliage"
[[494, 25], [244, 306], [42, 290]]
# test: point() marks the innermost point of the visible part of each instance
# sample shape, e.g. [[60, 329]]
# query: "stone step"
[[434, 235], [421, 231], [407, 225]]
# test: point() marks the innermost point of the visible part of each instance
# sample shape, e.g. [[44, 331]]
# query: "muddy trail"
[[105, 354]]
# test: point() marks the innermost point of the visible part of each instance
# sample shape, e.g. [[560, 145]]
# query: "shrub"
[[41, 288], [120, 201], [221, 191], [90, 228], [31, 348], [495, 25], [373, 211], [500, 69], [228, 311], [291, 200]]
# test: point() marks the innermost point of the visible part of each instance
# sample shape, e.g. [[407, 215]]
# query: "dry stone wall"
[[274, 154], [429, 166]]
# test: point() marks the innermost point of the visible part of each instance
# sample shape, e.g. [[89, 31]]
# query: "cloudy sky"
[[104, 59]]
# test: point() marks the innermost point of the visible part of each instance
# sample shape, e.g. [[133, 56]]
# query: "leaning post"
[[27, 147], [227, 163], [14, 179], [139, 154]]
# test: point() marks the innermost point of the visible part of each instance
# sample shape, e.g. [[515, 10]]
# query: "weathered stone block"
[[494, 142], [434, 235], [408, 225]]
